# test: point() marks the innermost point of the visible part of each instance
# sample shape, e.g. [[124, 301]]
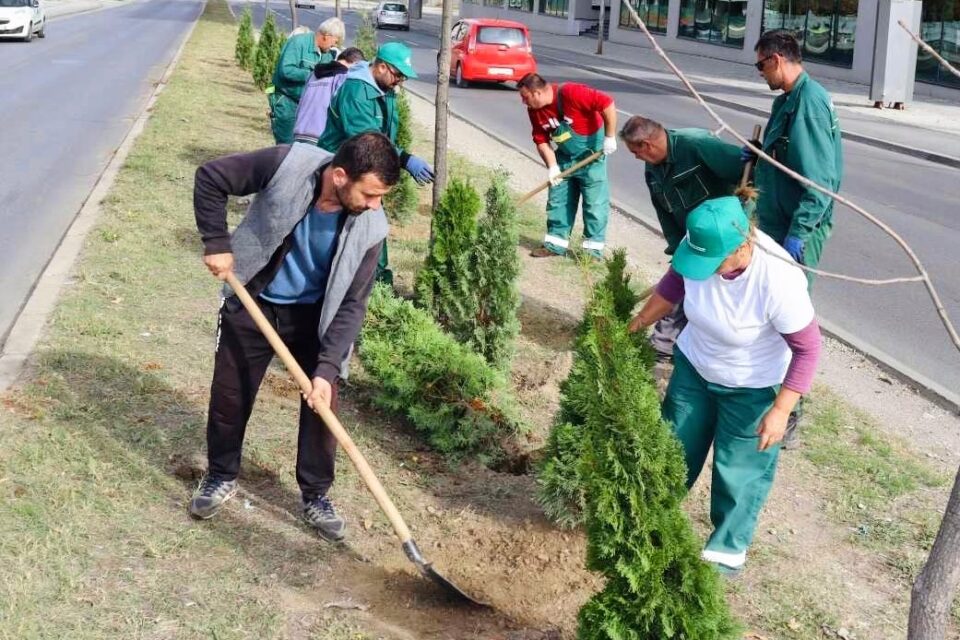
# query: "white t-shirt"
[[733, 332]]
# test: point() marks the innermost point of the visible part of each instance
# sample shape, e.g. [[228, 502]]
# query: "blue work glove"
[[746, 155], [794, 247], [421, 171]]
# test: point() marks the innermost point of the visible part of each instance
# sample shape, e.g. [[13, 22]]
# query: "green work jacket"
[[804, 134], [357, 107], [297, 59], [699, 166]]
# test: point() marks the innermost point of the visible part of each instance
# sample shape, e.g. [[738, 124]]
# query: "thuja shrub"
[[495, 275], [401, 202], [560, 489], [444, 285], [265, 57], [633, 476], [365, 37], [458, 402], [245, 42]]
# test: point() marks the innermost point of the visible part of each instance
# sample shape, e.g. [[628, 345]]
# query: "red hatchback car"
[[487, 50]]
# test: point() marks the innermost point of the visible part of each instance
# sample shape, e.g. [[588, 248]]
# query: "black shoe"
[[210, 496], [791, 437], [320, 514]]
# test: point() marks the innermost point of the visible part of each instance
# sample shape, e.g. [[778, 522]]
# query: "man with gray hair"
[[301, 53], [683, 168]]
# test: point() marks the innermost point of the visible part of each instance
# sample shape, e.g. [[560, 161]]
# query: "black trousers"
[[242, 357]]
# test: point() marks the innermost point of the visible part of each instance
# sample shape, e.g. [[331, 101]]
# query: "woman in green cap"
[[747, 354]]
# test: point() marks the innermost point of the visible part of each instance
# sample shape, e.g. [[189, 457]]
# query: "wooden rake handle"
[[328, 417], [749, 163], [580, 165]]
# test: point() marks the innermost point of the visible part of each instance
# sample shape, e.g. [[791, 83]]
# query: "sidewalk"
[[929, 128]]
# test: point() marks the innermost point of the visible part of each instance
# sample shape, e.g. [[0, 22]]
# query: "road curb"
[[31, 322], [923, 154], [929, 388]]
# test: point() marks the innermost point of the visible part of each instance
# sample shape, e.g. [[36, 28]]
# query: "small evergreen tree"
[[451, 395], [365, 37], [560, 491], [444, 286], [245, 43], [265, 57], [495, 276], [401, 203]]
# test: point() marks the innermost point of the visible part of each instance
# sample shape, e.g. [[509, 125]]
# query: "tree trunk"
[[339, 10], [936, 585], [293, 14], [603, 5], [442, 103]]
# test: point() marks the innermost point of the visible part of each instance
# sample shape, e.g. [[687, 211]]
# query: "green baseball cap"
[[714, 230], [399, 56]]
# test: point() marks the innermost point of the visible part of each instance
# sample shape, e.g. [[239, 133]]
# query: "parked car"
[[487, 50], [21, 19], [305, 4], [392, 14]]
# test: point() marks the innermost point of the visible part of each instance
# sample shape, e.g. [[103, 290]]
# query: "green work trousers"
[[283, 116], [704, 413], [384, 272], [589, 183]]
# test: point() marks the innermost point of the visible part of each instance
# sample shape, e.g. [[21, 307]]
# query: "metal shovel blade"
[[413, 553]]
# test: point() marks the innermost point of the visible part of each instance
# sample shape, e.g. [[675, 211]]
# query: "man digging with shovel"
[[307, 251], [570, 122]]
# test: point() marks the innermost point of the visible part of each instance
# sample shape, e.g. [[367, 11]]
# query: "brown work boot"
[[544, 252]]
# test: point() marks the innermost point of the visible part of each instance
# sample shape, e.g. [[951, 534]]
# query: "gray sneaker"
[[320, 514], [210, 496]]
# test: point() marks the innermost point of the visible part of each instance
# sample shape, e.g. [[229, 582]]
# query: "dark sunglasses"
[[399, 77], [759, 63]]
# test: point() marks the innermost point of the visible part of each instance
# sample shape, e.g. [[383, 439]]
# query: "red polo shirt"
[[581, 109]]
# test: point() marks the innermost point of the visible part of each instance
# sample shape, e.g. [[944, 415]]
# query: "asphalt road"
[[69, 101]]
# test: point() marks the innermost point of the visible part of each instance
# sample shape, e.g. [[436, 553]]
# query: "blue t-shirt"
[[302, 278]]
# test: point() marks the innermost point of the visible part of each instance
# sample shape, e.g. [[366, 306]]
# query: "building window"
[[493, 3], [556, 8], [520, 5], [940, 28], [652, 12], [825, 29], [715, 21]]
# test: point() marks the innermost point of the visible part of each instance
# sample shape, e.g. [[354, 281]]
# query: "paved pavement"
[[78, 93], [915, 196]]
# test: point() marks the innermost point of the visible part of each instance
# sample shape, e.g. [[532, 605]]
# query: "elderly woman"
[[301, 53], [741, 364]]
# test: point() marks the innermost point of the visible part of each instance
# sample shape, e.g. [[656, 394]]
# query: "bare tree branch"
[[924, 276]]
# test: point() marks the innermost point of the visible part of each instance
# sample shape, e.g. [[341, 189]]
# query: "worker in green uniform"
[[570, 122], [300, 54], [684, 167], [367, 102], [803, 133]]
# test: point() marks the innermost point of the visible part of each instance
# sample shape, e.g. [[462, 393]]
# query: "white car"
[[21, 19], [391, 14]]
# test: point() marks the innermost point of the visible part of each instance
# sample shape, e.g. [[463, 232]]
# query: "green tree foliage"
[[401, 203], [365, 37], [560, 491], [632, 478], [245, 43], [458, 402], [266, 55], [495, 276], [444, 286]]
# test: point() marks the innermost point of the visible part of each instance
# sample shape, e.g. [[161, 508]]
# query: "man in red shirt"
[[570, 122]]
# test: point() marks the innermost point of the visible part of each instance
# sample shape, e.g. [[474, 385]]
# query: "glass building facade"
[[652, 12], [556, 8], [825, 29], [715, 21], [940, 28]]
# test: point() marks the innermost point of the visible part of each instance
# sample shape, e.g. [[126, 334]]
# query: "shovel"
[[590, 158], [345, 441]]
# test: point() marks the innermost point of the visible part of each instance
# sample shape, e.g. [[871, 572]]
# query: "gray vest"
[[277, 209]]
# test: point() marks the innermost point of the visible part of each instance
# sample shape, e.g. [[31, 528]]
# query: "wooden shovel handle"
[[580, 165], [749, 163], [305, 384]]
